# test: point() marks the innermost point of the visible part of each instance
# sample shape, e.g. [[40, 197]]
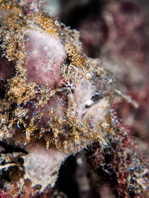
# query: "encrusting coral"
[[54, 100]]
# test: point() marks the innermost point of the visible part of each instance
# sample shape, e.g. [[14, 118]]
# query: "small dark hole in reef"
[[2, 88], [9, 174], [11, 148], [2, 93], [5, 175], [67, 61], [14, 106], [21, 160]]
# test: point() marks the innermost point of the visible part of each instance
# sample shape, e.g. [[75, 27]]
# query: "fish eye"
[[98, 96], [94, 99]]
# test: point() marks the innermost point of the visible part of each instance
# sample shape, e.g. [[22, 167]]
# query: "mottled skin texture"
[[44, 56], [57, 101]]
